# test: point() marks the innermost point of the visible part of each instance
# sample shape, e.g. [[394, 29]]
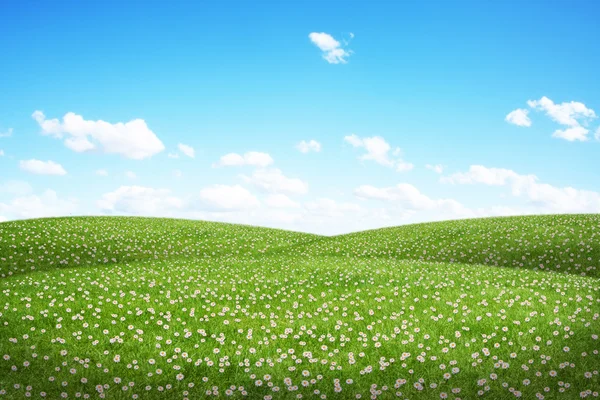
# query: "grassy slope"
[[561, 243], [48, 243], [355, 294]]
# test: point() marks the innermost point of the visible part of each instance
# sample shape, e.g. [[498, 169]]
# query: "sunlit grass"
[[234, 311]]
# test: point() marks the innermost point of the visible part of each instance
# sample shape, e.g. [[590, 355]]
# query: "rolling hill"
[[114, 307]]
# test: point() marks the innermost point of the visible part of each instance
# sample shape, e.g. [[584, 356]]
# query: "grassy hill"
[[149, 308], [560, 243], [41, 244]]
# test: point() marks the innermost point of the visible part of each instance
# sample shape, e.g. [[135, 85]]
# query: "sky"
[[324, 117]]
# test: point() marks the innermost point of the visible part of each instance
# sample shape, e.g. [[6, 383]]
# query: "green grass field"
[[114, 307]]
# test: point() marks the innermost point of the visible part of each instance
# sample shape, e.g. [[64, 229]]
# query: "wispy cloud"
[[333, 52], [39, 167]]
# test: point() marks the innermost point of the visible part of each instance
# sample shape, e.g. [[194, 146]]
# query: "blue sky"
[[436, 79]]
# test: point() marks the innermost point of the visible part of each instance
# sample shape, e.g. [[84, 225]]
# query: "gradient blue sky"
[[435, 78]]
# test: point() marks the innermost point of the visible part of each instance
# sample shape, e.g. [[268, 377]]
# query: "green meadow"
[[149, 308]]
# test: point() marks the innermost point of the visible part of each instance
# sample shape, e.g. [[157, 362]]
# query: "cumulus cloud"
[[311, 145], [187, 150], [333, 52], [42, 167], [251, 158], [132, 139], [574, 115], [569, 114], [139, 200], [274, 181], [519, 117], [228, 197], [378, 150], [48, 204], [544, 197], [572, 134]]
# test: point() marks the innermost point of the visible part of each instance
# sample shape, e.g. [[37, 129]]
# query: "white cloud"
[[48, 204], [228, 197], [408, 197], [280, 201], [139, 200], [102, 172], [597, 134], [402, 166], [542, 196], [177, 173], [564, 113], [519, 117], [437, 168], [574, 115], [42, 167], [252, 158], [132, 139], [187, 150], [378, 150], [130, 174], [1, 152], [273, 181], [173, 155], [311, 145], [481, 174], [332, 50], [8, 133], [572, 134]]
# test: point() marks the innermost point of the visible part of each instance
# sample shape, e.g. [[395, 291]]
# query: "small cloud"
[[519, 117], [311, 145], [102, 172], [1, 153], [177, 173], [173, 155], [6, 134], [187, 150], [378, 150], [437, 168], [574, 115], [402, 166], [576, 133], [274, 181], [42, 167], [130, 174], [565, 113], [252, 158], [332, 50]]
